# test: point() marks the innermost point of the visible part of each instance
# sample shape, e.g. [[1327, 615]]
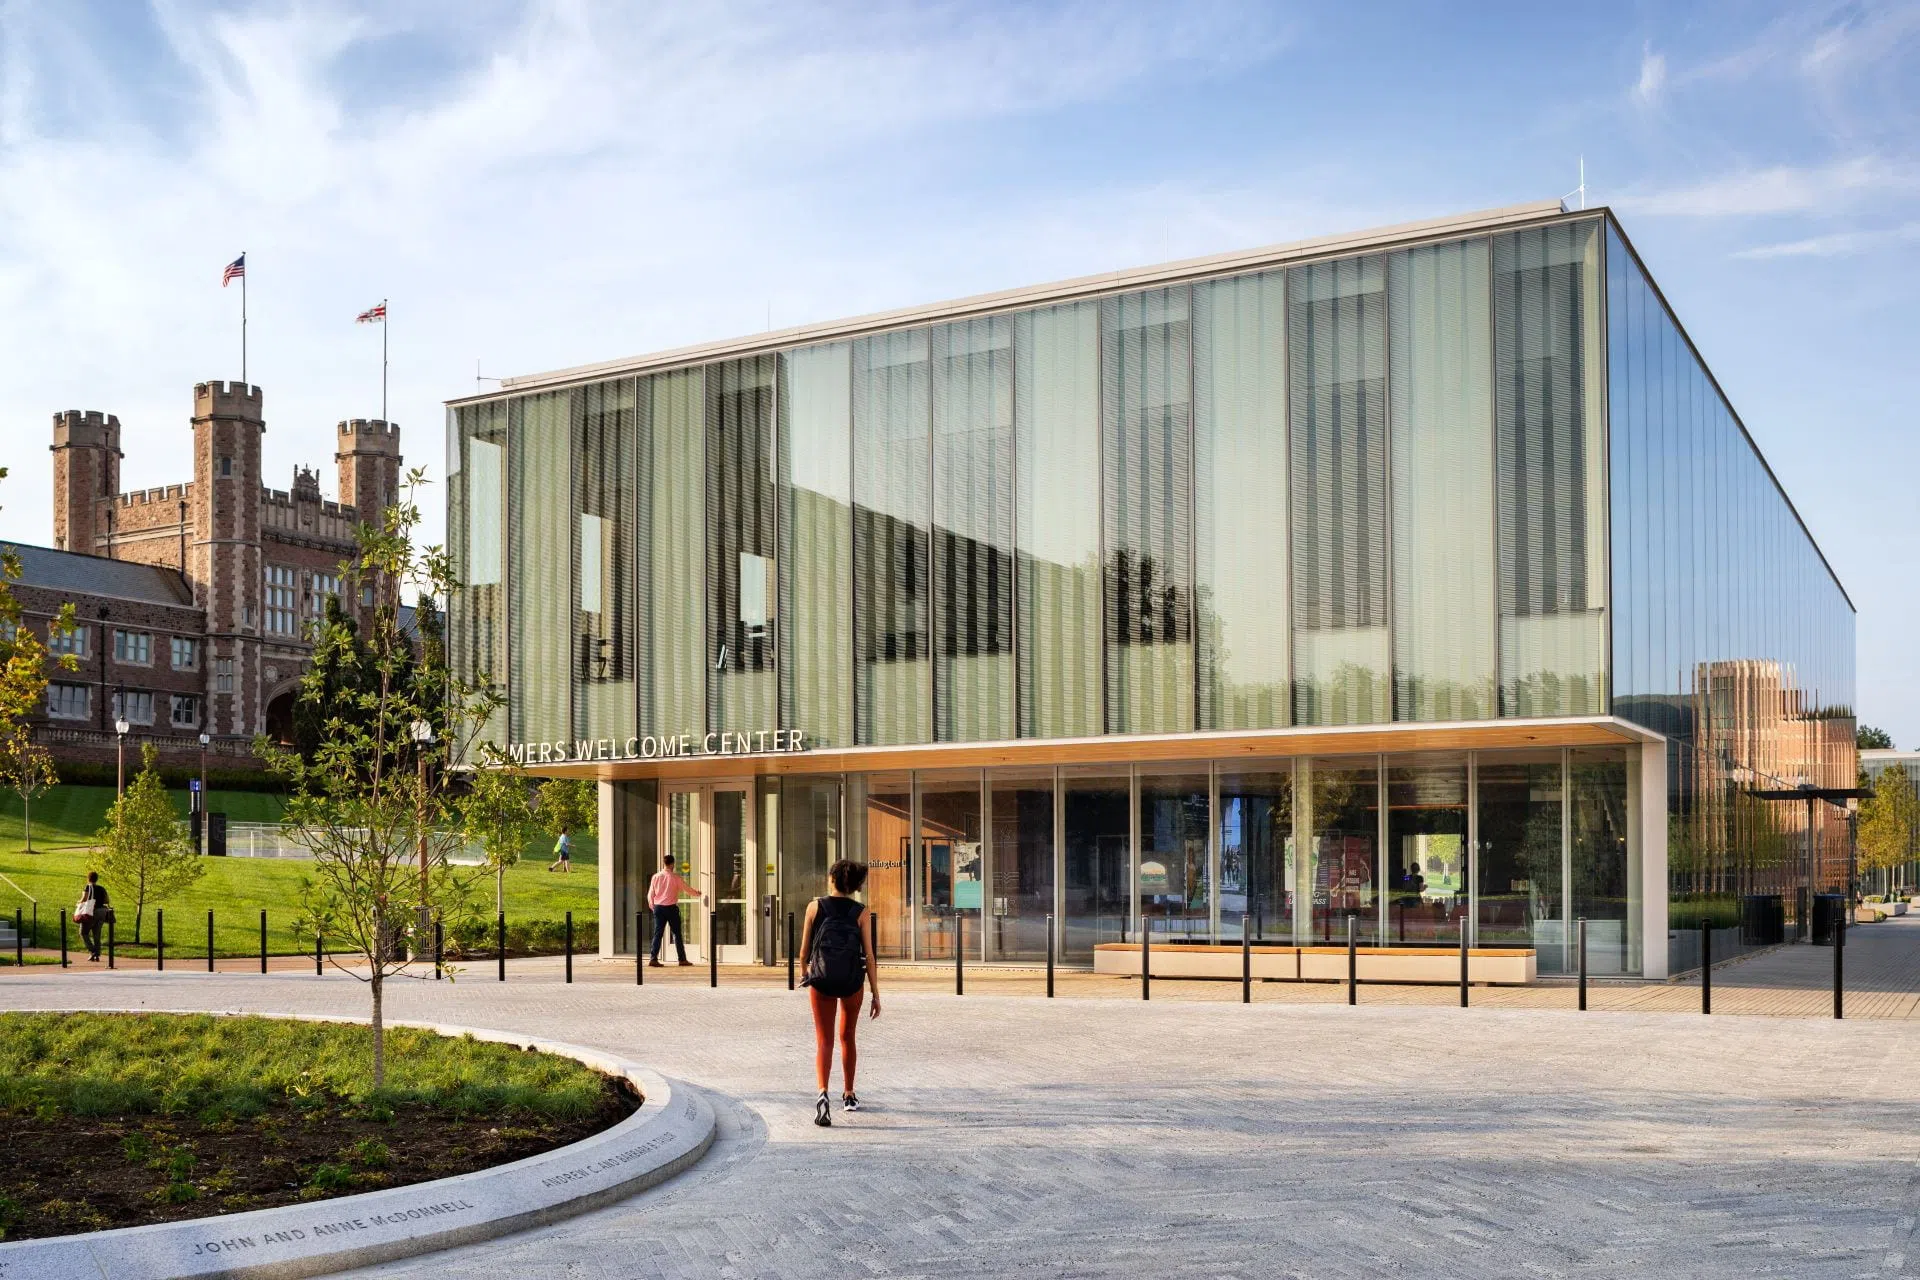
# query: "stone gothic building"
[[194, 600]]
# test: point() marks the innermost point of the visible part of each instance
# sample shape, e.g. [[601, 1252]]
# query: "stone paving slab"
[[1011, 1135]]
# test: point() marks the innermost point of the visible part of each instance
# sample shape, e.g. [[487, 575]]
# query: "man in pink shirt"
[[664, 892]]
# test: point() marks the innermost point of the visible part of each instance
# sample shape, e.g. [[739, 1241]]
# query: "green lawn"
[[236, 890]]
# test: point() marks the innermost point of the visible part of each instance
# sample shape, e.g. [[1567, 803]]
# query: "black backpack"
[[839, 957]]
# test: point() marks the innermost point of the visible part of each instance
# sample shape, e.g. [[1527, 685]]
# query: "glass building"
[[1421, 577]]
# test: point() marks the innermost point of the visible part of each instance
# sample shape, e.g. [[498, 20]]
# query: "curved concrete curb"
[[672, 1129]]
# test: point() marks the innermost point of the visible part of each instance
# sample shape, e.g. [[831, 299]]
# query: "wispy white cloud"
[[1837, 245], [1779, 189], [1653, 77]]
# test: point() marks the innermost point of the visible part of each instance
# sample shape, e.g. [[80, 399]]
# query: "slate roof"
[[76, 574]]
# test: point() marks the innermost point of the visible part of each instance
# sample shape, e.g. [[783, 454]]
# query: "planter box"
[[1513, 966]]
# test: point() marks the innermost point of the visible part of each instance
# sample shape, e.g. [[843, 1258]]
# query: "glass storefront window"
[[1021, 862], [882, 808], [950, 869], [1343, 848], [810, 842], [1520, 863], [1097, 866], [1426, 874], [1255, 823], [1176, 884], [1598, 825]]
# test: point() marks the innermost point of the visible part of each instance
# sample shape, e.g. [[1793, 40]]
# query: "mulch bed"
[[67, 1175]]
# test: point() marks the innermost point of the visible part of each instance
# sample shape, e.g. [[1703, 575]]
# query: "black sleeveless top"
[[847, 909]]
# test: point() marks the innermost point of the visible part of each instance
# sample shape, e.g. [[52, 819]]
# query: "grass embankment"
[[236, 890], [113, 1120]]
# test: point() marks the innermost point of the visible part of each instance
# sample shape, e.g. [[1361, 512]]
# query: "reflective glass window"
[[673, 563], [605, 432], [1521, 854], [740, 541], [816, 544], [1097, 864], [1022, 862], [1603, 882], [1254, 821], [542, 656], [882, 809], [1427, 872], [1340, 874], [893, 669], [1176, 880], [950, 869]]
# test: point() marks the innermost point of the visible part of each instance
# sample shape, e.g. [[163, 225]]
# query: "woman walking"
[[838, 956], [97, 916]]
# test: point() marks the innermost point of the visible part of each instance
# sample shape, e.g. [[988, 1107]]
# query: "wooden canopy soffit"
[[1124, 749]]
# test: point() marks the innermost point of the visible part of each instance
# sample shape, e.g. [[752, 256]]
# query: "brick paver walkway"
[[1193, 1137]]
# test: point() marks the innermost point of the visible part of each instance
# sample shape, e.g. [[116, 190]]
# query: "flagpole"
[[383, 359], [243, 321]]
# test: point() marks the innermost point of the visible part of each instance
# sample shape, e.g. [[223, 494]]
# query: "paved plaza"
[[1192, 1136]]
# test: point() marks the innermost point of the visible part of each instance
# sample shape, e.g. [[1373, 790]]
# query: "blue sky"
[[543, 184]]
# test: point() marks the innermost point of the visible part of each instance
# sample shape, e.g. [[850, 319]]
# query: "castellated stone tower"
[[368, 455], [224, 561], [86, 478]]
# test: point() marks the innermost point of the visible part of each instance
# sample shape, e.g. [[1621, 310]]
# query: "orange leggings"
[[824, 1007]]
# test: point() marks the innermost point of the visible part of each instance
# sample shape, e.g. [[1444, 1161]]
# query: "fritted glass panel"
[[673, 558], [950, 871], [1337, 359], [816, 544], [1341, 872], [1056, 382], [893, 668], [1021, 858], [605, 432], [1176, 880], [1445, 643], [1240, 503], [810, 842], [1254, 815], [1605, 884], [1095, 818], [882, 808], [740, 544], [1550, 430], [1426, 874], [1147, 495], [476, 540], [1521, 823], [541, 658], [973, 530]]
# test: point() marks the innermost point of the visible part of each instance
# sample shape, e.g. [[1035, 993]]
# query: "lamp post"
[[422, 739], [120, 727], [205, 739]]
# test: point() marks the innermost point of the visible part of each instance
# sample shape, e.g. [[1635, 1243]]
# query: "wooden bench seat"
[[1510, 966]]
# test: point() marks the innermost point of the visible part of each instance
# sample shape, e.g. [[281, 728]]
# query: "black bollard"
[[713, 950], [19, 945], [789, 950], [1580, 940], [263, 941], [959, 951], [1464, 983], [1246, 961], [160, 939], [500, 944], [569, 946], [439, 949], [209, 942], [319, 957], [1049, 957], [1706, 966], [639, 949], [109, 944], [1353, 964], [1146, 958], [1839, 948], [63, 939]]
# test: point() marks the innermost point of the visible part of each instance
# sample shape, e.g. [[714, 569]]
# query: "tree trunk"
[[139, 909], [26, 819], [379, 1034]]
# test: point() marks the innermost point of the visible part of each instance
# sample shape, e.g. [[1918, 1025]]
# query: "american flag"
[[372, 315], [236, 270]]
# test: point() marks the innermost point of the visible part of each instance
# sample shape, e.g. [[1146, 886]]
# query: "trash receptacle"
[[1763, 920], [1829, 914], [216, 835]]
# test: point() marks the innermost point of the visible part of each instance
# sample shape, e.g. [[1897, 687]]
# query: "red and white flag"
[[372, 315]]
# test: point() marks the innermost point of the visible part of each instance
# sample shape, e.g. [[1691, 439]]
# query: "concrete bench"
[[1507, 966]]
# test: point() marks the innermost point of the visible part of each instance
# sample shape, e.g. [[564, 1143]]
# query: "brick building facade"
[[194, 600]]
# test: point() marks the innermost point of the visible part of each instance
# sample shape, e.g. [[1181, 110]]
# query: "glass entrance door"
[[709, 832]]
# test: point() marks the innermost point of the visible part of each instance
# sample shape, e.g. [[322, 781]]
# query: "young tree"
[[143, 852], [1888, 819], [499, 818], [1868, 738], [24, 766], [569, 804], [377, 798]]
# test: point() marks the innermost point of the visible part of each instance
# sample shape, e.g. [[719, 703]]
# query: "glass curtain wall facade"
[[1731, 634], [1463, 480]]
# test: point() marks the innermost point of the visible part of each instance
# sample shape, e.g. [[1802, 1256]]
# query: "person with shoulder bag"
[[92, 913], [837, 953]]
